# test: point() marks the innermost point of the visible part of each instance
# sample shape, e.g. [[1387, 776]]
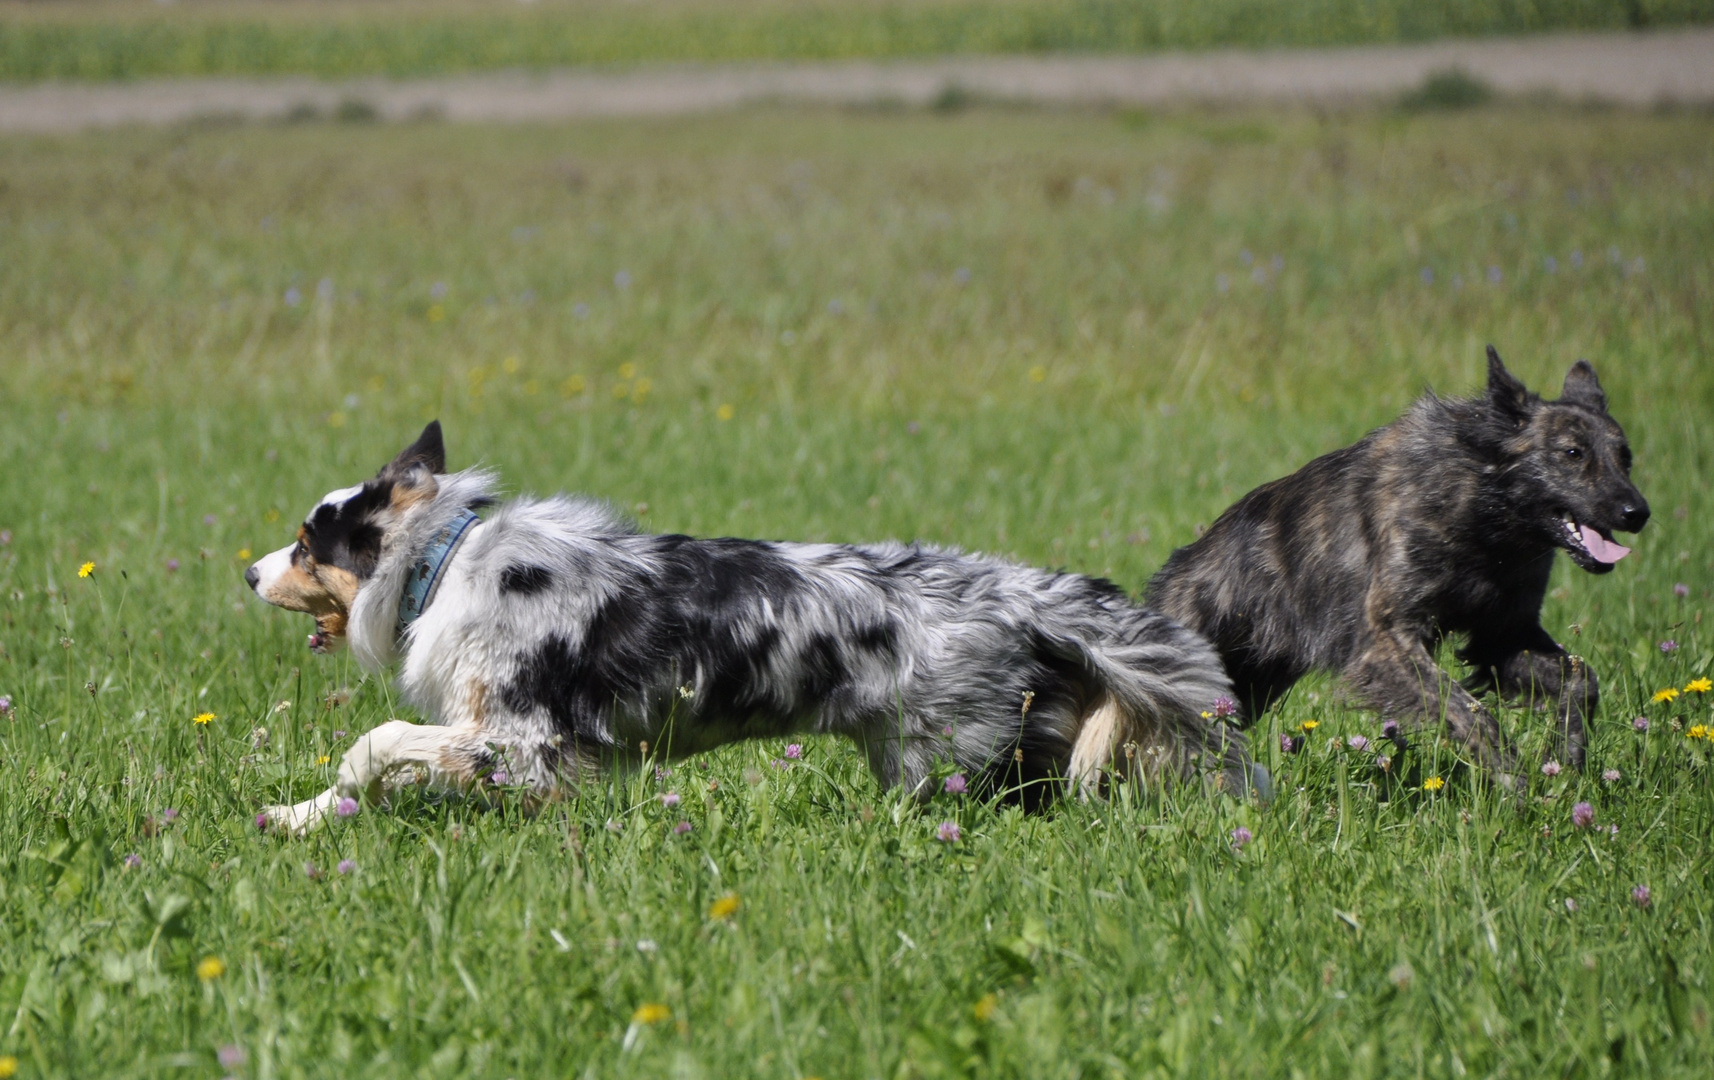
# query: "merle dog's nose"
[[1635, 516], [251, 577]]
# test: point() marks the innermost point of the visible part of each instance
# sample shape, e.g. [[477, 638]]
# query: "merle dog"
[[1443, 522]]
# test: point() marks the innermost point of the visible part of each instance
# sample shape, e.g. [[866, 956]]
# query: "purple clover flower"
[[1384, 762], [1668, 647], [1240, 837], [1680, 590], [346, 866], [231, 1056], [1291, 744], [956, 784], [1641, 723], [346, 807], [1224, 707], [169, 814], [948, 832], [5, 704], [1641, 896], [172, 566], [262, 821], [794, 752], [1582, 815], [311, 872], [1550, 768], [1611, 776], [1390, 729], [339, 733], [669, 799], [1358, 742], [133, 861], [681, 828], [499, 778]]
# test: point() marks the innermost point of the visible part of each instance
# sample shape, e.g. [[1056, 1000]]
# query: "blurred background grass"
[[119, 39]]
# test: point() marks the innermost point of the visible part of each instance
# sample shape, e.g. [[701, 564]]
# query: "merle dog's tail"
[[1167, 711]]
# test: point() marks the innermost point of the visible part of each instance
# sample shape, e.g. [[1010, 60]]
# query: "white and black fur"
[[562, 641]]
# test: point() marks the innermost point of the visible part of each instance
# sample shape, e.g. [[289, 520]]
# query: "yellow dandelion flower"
[[1310, 725], [210, 967], [203, 718], [627, 371], [1697, 731], [1206, 715], [652, 1012], [1433, 783], [724, 908], [86, 570], [572, 386], [1038, 374], [1699, 686], [726, 411], [8, 1066], [244, 554], [984, 1009], [323, 760], [1668, 694], [436, 313]]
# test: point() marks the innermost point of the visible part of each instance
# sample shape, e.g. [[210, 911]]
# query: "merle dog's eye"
[[1573, 452]]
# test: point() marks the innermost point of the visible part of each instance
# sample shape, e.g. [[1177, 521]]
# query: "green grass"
[[1060, 336], [132, 38]]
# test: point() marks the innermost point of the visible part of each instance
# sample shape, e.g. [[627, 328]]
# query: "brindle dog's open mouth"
[[1595, 545]]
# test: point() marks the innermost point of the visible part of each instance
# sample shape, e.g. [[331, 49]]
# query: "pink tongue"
[[1603, 549]]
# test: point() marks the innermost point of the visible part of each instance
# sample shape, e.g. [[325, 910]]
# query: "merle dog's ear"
[[1504, 389], [429, 451], [1583, 388]]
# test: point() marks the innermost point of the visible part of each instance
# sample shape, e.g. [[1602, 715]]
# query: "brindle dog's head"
[[1565, 466], [340, 542]]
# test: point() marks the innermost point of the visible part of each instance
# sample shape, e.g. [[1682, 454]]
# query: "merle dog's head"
[[1565, 466], [340, 542]]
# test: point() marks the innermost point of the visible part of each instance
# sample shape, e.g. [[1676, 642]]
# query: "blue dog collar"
[[424, 578]]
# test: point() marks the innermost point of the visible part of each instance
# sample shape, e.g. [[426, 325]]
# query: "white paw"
[[298, 818]]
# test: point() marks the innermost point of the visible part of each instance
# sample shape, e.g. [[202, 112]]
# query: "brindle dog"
[[1443, 522]]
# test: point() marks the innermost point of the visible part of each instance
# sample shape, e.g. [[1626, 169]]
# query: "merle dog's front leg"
[[1400, 677], [1536, 670]]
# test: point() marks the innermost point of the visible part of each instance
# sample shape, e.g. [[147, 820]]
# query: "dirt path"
[[1632, 69]]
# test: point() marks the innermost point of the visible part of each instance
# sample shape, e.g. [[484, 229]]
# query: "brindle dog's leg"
[[1532, 667], [1399, 676]]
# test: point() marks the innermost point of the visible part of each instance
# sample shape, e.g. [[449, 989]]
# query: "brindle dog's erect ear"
[[429, 451], [1504, 389], [1582, 387]]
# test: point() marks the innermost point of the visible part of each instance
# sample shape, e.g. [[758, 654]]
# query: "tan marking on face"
[[325, 592]]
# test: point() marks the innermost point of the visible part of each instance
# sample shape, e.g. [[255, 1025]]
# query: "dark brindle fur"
[[1443, 522]]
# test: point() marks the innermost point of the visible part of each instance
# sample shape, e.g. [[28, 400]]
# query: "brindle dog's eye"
[[1573, 453]]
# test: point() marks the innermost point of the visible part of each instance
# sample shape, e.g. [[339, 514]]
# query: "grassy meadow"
[[1065, 337], [119, 39]]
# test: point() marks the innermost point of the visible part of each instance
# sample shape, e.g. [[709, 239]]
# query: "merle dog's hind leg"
[[1401, 677], [1535, 670]]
